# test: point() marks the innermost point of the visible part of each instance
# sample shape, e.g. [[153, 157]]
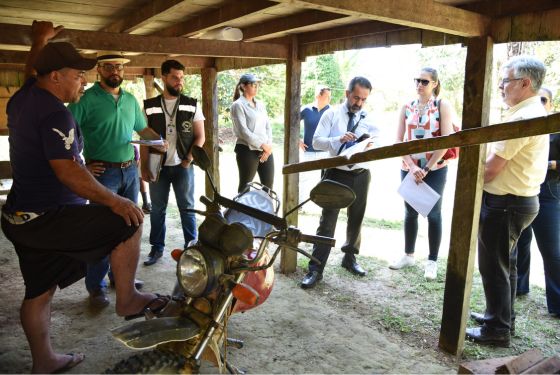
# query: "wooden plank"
[[288, 260], [217, 17], [149, 84], [548, 366], [538, 26], [293, 24], [466, 137], [18, 35], [136, 61], [210, 111], [5, 170], [227, 63], [348, 31], [521, 363], [466, 209], [510, 7], [143, 15], [419, 13], [483, 366]]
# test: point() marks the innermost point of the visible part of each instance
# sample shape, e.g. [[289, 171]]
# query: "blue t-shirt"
[[41, 129], [311, 116]]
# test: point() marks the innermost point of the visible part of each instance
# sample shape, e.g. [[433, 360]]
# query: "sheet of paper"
[[358, 147], [146, 142], [420, 196], [155, 162]]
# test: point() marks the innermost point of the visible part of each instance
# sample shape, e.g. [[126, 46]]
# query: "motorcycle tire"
[[152, 362]]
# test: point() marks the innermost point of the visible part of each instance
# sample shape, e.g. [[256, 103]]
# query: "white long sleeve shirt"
[[250, 124]]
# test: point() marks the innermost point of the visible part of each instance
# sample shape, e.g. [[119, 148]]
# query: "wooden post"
[[288, 261], [149, 84], [210, 110], [466, 211]]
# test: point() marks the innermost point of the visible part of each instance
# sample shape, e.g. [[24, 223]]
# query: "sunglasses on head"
[[544, 100], [424, 82]]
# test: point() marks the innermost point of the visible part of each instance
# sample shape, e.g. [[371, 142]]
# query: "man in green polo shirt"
[[107, 116]]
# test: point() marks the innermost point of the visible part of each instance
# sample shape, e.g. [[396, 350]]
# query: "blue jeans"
[[436, 180], [502, 219], [546, 228], [182, 180], [124, 182]]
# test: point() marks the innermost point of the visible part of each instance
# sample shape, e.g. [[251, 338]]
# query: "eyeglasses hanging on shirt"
[[171, 124]]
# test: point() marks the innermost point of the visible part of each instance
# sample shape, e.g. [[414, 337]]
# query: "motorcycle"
[[227, 269]]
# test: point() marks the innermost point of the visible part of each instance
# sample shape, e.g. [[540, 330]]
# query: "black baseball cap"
[[59, 55]]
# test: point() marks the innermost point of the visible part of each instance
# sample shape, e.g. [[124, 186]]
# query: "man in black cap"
[[46, 217]]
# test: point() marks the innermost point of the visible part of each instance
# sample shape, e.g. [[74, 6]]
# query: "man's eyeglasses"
[[544, 100], [503, 81], [110, 67], [424, 82]]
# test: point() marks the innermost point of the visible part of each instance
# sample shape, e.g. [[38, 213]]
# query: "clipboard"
[[155, 162]]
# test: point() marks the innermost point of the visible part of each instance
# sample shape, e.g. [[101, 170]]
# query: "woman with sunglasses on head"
[[425, 117], [546, 226], [252, 128]]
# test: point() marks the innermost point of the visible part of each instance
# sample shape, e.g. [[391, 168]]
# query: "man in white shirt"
[[513, 174], [179, 120], [338, 129]]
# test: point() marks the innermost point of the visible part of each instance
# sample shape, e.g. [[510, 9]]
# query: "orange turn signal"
[[176, 254], [245, 294]]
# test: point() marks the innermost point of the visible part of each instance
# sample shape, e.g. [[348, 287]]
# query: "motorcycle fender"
[[149, 333]]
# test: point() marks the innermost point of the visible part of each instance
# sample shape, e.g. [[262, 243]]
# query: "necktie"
[[349, 128]]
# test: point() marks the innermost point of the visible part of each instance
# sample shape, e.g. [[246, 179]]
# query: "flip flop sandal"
[[76, 359], [149, 309]]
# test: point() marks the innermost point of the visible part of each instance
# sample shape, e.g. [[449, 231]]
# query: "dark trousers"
[[359, 182], [502, 219], [546, 228], [436, 180], [248, 164]]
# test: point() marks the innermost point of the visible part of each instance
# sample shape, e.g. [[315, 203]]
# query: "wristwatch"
[[426, 169]]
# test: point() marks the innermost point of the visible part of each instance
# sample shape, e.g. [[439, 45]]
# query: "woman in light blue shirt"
[[252, 128]]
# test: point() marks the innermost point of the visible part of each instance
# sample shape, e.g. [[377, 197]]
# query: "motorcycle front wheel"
[[152, 362]]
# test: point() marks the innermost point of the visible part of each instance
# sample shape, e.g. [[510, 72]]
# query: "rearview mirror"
[[200, 157], [331, 194]]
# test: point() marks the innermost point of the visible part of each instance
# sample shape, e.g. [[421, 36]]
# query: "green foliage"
[[323, 70]]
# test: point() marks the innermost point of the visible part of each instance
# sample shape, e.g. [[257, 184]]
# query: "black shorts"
[[54, 248]]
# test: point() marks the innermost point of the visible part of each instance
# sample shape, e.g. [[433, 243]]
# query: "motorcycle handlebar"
[[317, 239]]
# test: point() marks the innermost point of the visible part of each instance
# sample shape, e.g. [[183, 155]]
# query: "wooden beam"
[[210, 110], [466, 209], [18, 35], [290, 24], [138, 61], [218, 17], [227, 63], [538, 26], [501, 8], [144, 15], [422, 14], [466, 137], [393, 38], [292, 105], [348, 31], [149, 87], [5, 170]]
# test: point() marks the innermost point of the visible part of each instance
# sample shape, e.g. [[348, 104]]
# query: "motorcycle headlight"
[[198, 271]]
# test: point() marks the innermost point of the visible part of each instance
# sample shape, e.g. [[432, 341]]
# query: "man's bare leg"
[[35, 315], [124, 260]]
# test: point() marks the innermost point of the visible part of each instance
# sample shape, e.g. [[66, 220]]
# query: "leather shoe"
[[353, 267], [312, 278], [138, 284], [483, 335], [479, 318], [153, 257], [98, 298]]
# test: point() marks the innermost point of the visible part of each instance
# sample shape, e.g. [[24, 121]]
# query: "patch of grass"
[[368, 221], [393, 321]]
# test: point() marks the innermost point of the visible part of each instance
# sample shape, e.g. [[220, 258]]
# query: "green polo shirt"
[[107, 125]]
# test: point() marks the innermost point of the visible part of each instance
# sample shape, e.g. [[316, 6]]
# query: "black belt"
[[510, 197], [110, 164]]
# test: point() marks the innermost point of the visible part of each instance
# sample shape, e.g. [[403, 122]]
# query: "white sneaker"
[[430, 272], [405, 261]]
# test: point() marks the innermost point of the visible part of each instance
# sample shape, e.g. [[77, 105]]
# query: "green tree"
[[318, 70]]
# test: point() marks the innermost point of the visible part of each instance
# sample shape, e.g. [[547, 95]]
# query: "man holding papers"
[[513, 174], [179, 120], [107, 116], [339, 128]]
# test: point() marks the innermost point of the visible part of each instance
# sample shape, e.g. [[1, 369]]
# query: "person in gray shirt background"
[[252, 128]]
